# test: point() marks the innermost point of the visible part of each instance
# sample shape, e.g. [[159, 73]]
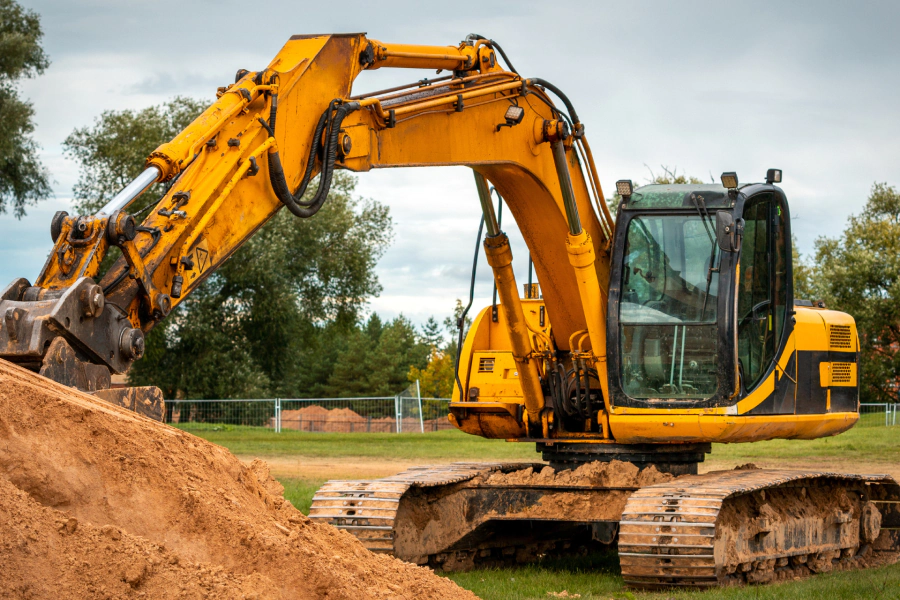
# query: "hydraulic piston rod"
[[131, 191], [581, 257], [499, 256]]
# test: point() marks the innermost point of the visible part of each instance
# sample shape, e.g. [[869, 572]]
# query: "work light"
[[624, 188], [514, 115], [730, 180]]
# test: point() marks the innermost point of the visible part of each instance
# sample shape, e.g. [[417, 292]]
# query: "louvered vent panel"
[[840, 337], [486, 364], [841, 372]]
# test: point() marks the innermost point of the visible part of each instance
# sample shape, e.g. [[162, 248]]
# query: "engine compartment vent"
[[840, 337], [486, 364], [841, 372]]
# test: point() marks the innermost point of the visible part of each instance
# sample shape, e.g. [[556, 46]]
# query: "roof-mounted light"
[[773, 176], [624, 188], [730, 180]]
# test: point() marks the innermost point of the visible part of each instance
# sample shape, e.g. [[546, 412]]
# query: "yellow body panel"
[[665, 427]]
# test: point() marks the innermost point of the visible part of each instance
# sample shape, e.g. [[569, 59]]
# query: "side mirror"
[[728, 231]]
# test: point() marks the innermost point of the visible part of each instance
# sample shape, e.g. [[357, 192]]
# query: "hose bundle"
[[325, 148], [571, 389]]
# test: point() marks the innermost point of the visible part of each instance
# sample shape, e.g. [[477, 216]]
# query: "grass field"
[[863, 449]]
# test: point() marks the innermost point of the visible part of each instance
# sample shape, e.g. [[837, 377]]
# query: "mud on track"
[[98, 502]]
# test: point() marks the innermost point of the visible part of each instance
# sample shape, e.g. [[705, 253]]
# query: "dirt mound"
[[49, 554], [346, 420], [98, 502], [604, 474]]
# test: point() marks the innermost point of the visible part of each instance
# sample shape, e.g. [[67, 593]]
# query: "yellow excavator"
[[649, 337]]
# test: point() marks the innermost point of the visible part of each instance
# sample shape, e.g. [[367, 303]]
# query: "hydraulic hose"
[[329, 124], [492, 44], [461, 322], [569, 107]]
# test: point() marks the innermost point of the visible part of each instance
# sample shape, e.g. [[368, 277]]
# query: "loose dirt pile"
[[97, 502], [603, 474], [346, 420]]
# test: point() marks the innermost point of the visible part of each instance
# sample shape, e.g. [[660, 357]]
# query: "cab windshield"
[[668, 310]]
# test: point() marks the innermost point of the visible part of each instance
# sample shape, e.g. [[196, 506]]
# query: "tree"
[[670, 177], [274, 318], [436, 380], [804, 275], [112, 151], [431, 333], [23, 179], [859, 273], [378, 359]]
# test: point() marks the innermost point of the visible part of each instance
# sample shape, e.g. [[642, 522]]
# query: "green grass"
[[299, 492], [444, 445], [866, 444], [598, 577], [878, 444]]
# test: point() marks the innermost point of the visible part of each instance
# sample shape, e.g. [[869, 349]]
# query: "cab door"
[[762, 301]]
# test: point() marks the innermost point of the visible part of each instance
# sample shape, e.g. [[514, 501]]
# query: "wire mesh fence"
[[878, 415], [407, 412]]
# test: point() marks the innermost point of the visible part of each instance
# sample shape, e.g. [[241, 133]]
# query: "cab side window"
[[762, 288]]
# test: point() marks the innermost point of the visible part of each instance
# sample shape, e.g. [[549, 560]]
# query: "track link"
[[751, 526], [368, 508]]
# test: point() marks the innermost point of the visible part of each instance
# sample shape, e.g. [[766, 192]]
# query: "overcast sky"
[[809, 87]]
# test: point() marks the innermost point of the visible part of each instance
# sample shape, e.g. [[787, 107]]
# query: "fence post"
[[419, 396], [397, 413], [277, 415]]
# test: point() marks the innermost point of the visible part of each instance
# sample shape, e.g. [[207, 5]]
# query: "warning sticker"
[[201, 251]]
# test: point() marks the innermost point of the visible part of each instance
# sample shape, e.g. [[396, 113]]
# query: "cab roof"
[[668, 196]]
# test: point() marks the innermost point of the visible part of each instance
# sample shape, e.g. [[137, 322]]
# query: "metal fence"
[[407, 412], [878, 415]]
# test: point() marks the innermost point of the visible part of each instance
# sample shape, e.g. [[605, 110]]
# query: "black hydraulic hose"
[[329, 124], [461, 321], [563, 376], [542, 82], [492, 44]]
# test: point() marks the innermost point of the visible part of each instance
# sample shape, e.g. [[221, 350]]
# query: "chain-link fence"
[[407, 412], [878, 415]]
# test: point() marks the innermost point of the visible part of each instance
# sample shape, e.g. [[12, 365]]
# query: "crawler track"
[[741, 526], [754, 526], [368, 508]]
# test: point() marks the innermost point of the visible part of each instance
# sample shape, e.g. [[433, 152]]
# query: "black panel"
[[812, 398], [781, 401], [844, 399]]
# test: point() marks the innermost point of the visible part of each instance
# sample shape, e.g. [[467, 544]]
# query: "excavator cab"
[[701, 312], [702, 319]]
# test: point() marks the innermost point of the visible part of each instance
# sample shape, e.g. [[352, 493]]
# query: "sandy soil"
[[303, 467], [98, 502], [366, 467], [885, 468]]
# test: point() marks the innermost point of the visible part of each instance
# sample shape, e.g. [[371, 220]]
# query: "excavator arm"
[[266, 139]]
